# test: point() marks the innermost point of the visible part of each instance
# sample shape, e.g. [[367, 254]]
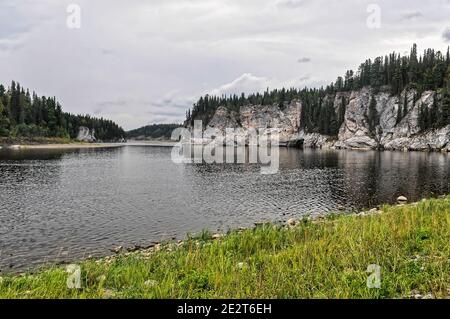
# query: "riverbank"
[[322, 258], [67, 146], [50, 143]]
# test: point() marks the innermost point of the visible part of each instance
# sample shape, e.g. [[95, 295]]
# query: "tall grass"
[[315, 259]]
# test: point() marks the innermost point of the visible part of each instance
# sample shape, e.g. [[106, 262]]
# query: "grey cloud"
[[412, 16], [304, 78], [179, 104], [19, 18], [107, 51], [110, 106], [446, 34], [292, 4], [304, 60], [119, 102], [10, 45], [175, 113]]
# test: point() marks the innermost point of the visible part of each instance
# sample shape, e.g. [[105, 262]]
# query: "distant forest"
[[393, 73], [26, 115], [155, 131]]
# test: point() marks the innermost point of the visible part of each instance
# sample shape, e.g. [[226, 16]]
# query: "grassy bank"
[[35, 140], [325, 258]]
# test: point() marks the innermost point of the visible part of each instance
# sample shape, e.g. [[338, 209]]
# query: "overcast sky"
[[141, 62]]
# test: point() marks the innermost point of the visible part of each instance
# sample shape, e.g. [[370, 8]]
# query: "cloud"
[[107, 51], [119, 102], [305, 78], [10, 45], [412, 16], [304, 60], [291, 4], [446, 34], [247, 83]]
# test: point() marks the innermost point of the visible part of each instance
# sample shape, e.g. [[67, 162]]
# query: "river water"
[[62, 205]]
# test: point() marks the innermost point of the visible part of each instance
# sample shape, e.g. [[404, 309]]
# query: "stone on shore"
[[117, 249], [402, 199], [291, 222], [217, 236]]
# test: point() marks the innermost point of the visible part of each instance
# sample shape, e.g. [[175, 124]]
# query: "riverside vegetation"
[[27, 118], [315, 258]]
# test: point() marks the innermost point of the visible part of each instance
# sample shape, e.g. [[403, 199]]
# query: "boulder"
[[85, 135], [217, 236], [291, 222], [117, 249], [402, 199]]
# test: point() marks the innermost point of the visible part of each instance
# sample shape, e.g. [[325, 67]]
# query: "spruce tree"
[[445, 112], [373, 114]]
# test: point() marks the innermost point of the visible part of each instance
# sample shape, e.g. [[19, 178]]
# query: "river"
[[62, 205]]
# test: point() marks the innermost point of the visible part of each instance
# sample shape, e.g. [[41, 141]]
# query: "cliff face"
[[85, 135], [287, 119], [391, 132]]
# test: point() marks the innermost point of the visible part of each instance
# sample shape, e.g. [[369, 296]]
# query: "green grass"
[[315, 259], [35, 140]]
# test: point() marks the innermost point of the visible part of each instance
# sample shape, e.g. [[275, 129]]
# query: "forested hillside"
[[392, 73], [155, 131], [24, 114]]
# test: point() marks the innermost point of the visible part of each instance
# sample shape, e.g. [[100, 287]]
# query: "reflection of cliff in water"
[[374, 178]]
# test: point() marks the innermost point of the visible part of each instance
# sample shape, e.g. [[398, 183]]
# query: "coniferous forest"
[[154, 131], [26, 115], [393, 73]]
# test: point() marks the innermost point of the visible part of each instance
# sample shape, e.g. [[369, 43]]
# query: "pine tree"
[[373, 114], [445, 112], [448, 55], [399, 113], [405, 104], [413, 65], [342, 110], [424, 120], [4, 122], [434, 113]]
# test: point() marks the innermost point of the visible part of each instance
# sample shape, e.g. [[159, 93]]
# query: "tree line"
[[392, 73], [153, 131], [27, 115]]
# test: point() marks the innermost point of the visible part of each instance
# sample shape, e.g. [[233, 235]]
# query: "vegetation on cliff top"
[[394, 73], [28, 116], [326, 258]]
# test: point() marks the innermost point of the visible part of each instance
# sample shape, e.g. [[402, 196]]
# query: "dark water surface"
[[58, 205]]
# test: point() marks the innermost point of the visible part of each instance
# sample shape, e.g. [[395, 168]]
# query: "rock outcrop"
[[85, 135], [286, 119], [392, 132]]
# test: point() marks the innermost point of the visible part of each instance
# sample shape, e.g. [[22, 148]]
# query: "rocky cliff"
[[86, 135], [392, 132]]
